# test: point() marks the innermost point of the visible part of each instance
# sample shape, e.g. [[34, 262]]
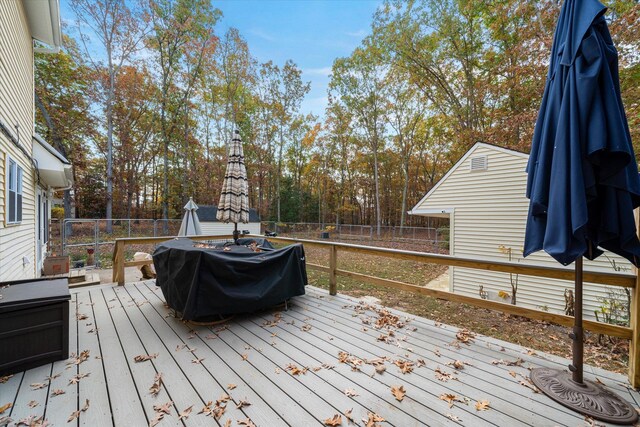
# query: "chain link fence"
[[89, 244], [437, 237], [80, 238]]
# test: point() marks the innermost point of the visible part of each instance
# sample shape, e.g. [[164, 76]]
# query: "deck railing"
[[631, 333]]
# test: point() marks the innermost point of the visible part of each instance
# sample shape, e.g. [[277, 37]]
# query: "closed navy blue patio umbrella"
[[583, 182]]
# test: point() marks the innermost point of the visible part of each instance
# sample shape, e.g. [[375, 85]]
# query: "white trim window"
[[14, 191]]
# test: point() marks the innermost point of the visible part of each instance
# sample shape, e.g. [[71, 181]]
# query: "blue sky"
[[312, 33]]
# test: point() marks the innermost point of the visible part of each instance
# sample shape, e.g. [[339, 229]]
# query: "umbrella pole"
[[235, 233], [578, 333], [570, 389]]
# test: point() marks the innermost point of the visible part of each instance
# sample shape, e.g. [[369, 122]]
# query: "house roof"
[[445, 213], [207, 213], [54, 169], [44, 21]]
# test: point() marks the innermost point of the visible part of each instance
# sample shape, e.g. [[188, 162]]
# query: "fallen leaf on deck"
[[180, 347], [348, 415], [453, 417], [156, 420], [32, 404], [227, 423], [164, 408], [185, 414], [84, 355], [53, 377], [81, 316], [372, 419], [336, 420], [197, 361], [242, 403], [145, 357], [482, 405], [246, 423], [443, 375], [157, 384], [420, 363], [517, 362], [465, 336], [76, 378], [450, 398], [57, 392], [294, 370], [406, 366], [245, 356], [231, 386], [5, 407], [38, 386], [351, 392], [436, 352], [5, 378], [398, 392], [211, 337], [458, 364], [512, 373], [75, 414], [306, 327], [32, 421]]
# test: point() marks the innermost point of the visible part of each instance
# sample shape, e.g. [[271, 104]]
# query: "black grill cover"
[[203, 283]]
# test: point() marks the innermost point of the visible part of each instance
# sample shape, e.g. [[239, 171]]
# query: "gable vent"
[[479, 163]]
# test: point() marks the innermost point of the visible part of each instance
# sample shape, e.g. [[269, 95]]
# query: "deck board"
[[509, 396], [122, 322], [61, 405], [177, 334], [94, 385]]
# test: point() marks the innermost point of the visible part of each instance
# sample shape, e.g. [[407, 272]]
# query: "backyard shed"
[[483, 195], [211, 226]]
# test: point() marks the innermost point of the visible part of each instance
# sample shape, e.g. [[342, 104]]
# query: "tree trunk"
[[110, 97], [377, 185]]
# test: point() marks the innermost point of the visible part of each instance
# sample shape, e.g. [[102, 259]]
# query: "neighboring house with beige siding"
[[483, 195], [30, 169], [211, 226]]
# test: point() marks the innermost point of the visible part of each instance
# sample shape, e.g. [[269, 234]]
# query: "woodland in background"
[[145, 94]]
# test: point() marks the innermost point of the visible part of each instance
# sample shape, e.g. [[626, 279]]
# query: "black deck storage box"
[[34, 324]]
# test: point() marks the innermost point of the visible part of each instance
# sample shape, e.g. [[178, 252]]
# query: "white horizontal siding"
[[490, 210], [17, 242], [220, 228]]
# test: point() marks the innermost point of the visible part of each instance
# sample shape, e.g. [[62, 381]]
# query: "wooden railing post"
[[634, 351], [118, 263], [634, 342], [333, 266]]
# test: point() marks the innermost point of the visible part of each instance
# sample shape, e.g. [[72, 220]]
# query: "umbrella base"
[[588, 398]]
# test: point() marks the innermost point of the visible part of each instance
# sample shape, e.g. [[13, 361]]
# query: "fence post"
[[333, 265], [118, 262], [96, 246]]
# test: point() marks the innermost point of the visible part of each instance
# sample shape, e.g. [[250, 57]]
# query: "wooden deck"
[[254, 359]]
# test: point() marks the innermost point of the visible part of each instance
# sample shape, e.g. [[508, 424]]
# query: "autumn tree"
[[119, 31], [358, 81], [63, 116], [182, 36]]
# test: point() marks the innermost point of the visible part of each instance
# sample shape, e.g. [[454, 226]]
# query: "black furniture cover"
[[205, 282]]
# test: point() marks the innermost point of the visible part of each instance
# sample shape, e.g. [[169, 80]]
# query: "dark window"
[[14, 203]]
